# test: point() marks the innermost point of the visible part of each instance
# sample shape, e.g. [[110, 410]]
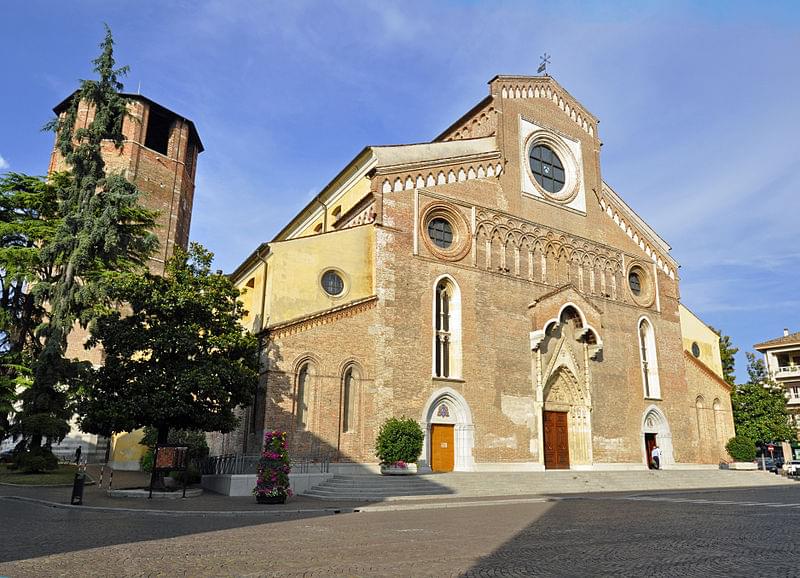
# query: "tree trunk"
[[158, 479]]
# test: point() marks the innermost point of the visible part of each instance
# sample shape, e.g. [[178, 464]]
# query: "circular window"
[[640, 285], [695, 349], [635, 283], [440, 232], [444, 231], [547, 168], [332, 283]]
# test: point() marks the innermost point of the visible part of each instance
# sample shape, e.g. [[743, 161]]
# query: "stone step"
[[475, 484]]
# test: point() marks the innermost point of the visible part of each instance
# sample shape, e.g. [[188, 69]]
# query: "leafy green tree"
[[759, 406], [99, 229], [727, 352], [177, 358], [28, 219]]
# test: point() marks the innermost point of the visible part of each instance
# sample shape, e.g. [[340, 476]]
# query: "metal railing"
[[248, 464], [787, 370]]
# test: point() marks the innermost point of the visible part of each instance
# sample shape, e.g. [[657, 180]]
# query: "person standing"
[[655, 456], [78, 455]]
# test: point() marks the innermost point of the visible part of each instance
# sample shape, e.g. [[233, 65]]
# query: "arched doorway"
[[449, 433], [566, 423], [655, 430]]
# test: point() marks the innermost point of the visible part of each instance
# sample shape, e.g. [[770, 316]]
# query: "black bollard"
[[77, 488]]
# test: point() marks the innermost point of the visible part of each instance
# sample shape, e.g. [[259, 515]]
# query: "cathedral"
[[490, 285]]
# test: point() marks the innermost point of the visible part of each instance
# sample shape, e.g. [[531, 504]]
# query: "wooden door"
[[556, 441], [442, 448], [649, 443]]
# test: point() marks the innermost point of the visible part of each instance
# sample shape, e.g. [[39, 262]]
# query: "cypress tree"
[[101, 230]]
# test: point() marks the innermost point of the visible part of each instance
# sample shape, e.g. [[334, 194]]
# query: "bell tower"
[[159, 155]]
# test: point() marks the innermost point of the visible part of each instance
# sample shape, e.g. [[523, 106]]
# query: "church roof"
[[706, 369], [392, 155], [634, 225], [790, 339]]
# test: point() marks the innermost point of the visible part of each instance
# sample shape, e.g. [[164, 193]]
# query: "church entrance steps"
[[485, 484]]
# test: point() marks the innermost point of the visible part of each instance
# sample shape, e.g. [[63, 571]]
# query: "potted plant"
[[743, 452], [399, 446], [272, 483]]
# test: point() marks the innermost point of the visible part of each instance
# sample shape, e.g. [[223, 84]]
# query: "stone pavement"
[[732, 532], [460, 488]]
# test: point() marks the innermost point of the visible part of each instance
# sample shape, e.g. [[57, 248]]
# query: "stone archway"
[[655, 422], [447, 407], [563, 393]]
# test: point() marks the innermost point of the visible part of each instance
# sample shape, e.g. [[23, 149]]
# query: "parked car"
[[769, 464], [792, 468]]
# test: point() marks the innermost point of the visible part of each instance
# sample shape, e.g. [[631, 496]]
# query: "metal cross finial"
[[545, 58]]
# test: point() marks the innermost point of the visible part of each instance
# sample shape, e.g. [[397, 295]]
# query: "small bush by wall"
[[399, 440], [741, 449]]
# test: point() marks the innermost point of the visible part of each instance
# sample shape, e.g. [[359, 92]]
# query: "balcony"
[[787, 371]]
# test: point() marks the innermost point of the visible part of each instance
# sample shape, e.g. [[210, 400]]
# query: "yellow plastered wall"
[[295, 269], [694, 330], [126, 451], [251, 287], [347, 201]]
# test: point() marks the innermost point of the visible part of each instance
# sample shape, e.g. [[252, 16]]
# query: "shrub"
[[193, 439], [399, 440], [273, 467], [39, 460], [741, 449]]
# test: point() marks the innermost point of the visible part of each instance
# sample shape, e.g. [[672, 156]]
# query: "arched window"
[[443, 336], [647, 354], [447, 330], [301, 396], [571, 314], [349, 383]]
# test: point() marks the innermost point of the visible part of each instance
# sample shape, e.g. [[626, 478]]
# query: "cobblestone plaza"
[[736, 532]]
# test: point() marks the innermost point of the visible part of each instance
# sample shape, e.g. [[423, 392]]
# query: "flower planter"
[[749, 466], [390, 470], [272, 475], [271, 499]]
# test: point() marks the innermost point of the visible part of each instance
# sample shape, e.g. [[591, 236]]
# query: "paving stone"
[[716, 533]]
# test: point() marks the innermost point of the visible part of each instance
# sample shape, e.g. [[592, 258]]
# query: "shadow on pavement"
[[719, 532], [32, 530]]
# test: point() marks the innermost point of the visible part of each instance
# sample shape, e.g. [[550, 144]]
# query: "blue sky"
[[698, 102]]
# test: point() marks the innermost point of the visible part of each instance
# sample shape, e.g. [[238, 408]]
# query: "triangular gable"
[[562, 357], [550, 305], [707, 370], [547, 310], [637, 230]]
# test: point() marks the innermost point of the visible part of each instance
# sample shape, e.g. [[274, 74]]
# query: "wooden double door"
[[442, 447], [556, 440]]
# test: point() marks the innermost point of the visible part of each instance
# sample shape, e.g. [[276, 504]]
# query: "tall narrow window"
[[647, 353], [443, 336], [348, 400], [301, 412], [159, 125]]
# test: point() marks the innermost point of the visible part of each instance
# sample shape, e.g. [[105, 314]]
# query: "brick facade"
[[548, 321]]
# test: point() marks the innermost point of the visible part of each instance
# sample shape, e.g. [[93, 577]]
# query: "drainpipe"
[[261, 339]]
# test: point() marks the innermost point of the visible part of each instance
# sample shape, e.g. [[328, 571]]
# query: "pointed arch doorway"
[[655, 431], [449, 433], [566, 423]]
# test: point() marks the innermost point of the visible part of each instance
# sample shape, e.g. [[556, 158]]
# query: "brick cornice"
[[306, 322]]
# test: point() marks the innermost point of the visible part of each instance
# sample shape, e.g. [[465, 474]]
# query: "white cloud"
[[3, 163]]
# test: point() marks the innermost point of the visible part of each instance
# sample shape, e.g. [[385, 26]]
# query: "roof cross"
[[545, 58]]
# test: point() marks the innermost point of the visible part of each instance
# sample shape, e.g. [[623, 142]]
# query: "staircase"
[[486, 484]]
